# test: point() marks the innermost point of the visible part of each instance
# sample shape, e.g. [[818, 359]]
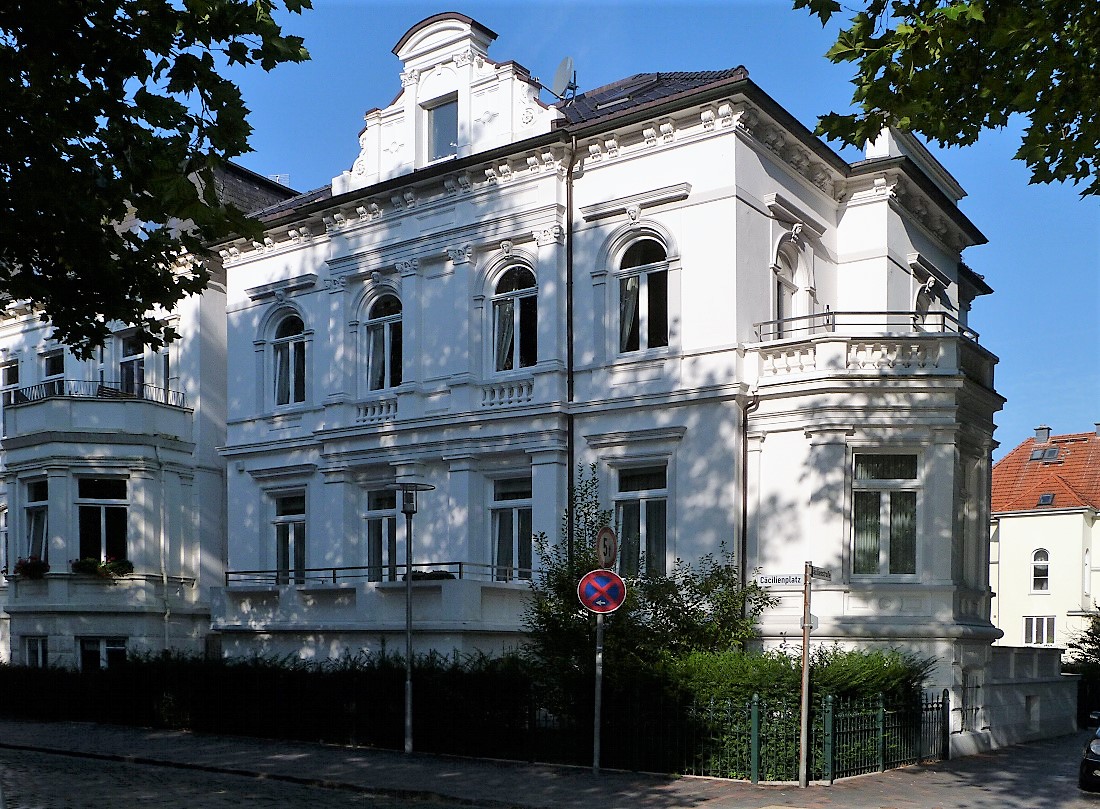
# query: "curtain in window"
[[866, 532], [376, 358], [903, 532], [282, 374], [629, 291], [630, 524], [504, 349], [502, 562], [655, 537]]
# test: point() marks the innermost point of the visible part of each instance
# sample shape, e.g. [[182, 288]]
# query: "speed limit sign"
[[607, 547]]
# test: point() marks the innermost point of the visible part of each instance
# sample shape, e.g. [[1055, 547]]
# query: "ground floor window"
[[290, 538], [36, 653], [1039, 630], [384, 554], [511, 510], [641, 507], [101, 653], [884, 515]]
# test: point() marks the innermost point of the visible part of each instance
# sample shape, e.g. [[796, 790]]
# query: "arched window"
[[515, 320], [784, 294], [1040, 571], [643, 297], [384, 343], [289, 352]]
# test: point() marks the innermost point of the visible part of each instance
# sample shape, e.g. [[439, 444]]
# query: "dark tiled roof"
[[324, 192], [639, 89], [1071, 475]]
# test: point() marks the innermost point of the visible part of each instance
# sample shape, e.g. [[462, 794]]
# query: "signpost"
[[601, 591], [809, 622]]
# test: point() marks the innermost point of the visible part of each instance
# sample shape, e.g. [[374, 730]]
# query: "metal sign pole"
[[804, 730], [599, 696]]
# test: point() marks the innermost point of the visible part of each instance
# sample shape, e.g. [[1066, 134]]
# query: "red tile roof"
[[1072, 477]]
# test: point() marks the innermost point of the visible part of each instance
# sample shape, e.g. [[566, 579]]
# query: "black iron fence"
[[84, 389]]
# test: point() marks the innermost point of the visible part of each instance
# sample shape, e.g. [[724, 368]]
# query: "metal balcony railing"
[[83, 389], [863, 323], [421, 571]]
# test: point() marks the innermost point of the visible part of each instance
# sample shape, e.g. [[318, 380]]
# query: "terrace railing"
[[85, 389], [421, 571], [864, 323]]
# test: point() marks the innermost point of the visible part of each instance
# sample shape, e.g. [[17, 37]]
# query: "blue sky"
[[1043, 256]]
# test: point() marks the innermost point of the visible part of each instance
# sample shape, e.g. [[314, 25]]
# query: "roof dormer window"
[[441, 118]]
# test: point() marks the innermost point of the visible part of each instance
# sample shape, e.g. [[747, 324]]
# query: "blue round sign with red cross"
[[601, 591]]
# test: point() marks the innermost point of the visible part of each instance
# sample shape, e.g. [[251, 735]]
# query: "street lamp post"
[[408, 508]]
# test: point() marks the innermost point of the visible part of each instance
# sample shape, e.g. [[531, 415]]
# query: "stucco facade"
[[761, 347]]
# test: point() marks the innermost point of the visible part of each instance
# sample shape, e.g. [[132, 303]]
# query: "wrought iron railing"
[[866, 323], [421, 571], [84, 389]]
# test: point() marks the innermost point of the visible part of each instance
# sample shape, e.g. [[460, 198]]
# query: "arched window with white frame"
[[289, 360], [643, 296], [515, 320], [1040, 571], [384, 362], [785, 290]]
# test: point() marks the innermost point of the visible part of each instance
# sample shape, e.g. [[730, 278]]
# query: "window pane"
[[114, 519], [386, 306], [515, 279], [101, 488], [395, 354], [629, 537], [291, 504], [628, 313], [38, 491], [523, 542], [504, 339], [374, 550], [376, 358], [443, 130], [886, 467], [903, 532], [655, 537], [512, 489], [289, 327], [642, 479], [299, 372], [657, 322], [381, 500], [91, 532], [54, 364], [89, 654], [502, 521], [643, 252], [528, 331], [865, 530]]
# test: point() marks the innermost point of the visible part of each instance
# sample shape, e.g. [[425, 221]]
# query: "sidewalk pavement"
[[483, 783]]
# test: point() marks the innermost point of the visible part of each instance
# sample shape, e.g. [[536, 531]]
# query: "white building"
[[1046, 497], [115, 459], [757, 343]]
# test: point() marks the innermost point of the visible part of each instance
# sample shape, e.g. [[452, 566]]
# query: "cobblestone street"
[[31, 780]]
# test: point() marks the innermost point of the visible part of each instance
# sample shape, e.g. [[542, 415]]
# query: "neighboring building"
[[759, 345], [115, 459], [1044, 538]]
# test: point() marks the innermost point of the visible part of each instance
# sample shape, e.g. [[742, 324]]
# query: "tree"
[[114, 118], [952, 68], [700, 607], [1084, 645]]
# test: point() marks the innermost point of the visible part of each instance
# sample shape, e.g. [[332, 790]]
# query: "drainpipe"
[[163, 548], [570, 427], [743, 545]]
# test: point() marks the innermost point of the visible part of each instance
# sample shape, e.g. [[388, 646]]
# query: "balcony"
[[67, 405], [885, 343], [422, 571]]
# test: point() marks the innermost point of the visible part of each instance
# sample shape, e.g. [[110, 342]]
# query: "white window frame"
[[36, 651], [430, 110], [886, 488], [385, 536], [522, 333], [290, 537], [109, 648], [786, 291], [1038, 630], [510, 511], [392, 367], [1038, 565], [291, 347], [636, 558], [9, 380], [131, 365], [102, 504], [644, 275], [53, 383], [36, 513]]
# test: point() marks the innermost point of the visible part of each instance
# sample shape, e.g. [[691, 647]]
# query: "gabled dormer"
[[454, 102]]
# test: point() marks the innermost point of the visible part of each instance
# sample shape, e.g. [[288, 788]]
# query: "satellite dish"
[[565, 78]]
